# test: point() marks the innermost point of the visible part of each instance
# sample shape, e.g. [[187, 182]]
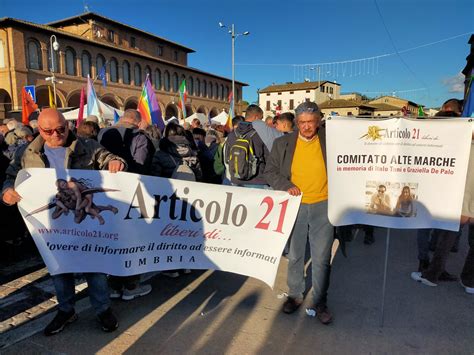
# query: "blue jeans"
[[98, 290], [311, 224]]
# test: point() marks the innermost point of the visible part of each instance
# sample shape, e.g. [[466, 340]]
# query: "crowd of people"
[[286, 152]]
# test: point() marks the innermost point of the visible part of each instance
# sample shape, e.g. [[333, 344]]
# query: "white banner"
[[125, 224], [397, 173]]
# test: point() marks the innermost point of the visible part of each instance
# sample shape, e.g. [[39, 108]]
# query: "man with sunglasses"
[[297, 164], [56, 147]]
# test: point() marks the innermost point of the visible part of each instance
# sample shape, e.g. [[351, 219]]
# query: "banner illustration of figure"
[[76, 195]]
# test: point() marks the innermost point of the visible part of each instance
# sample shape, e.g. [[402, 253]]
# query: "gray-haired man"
[[297, 164]]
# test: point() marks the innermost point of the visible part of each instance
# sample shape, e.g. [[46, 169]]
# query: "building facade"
[[90, 42], [287, 97], [397, 102]]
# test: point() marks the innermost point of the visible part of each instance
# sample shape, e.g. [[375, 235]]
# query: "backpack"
[[183, 170], [241, 157]]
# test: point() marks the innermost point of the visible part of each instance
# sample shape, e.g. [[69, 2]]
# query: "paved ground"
[[216, 312]]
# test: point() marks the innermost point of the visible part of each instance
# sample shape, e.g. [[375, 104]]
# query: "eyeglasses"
[[49, 132]]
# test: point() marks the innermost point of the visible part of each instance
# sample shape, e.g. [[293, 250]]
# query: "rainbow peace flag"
[[183, 95], [148, 106]]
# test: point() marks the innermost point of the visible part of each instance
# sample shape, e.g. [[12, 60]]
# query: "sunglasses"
[[49, 132]]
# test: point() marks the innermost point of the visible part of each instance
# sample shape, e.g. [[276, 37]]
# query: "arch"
[[171, 110], [226, 93], [126, 72], [5, 103], [86, 65], [74, 99], [157, 79], [213, 112], [131, 102], [189, 110], [221, 92], [113, 70], [42, 97], [110, 99], [202, 109], [215, 92], [34, 56], [71, 61], [137, 74], [209, 90], [167, 80], [175, 82]]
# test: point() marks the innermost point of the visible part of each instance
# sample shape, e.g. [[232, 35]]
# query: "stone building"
[[88, 42], [288, 96]]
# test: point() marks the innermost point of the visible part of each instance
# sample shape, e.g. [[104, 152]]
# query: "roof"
[[8, 21], [92, 15], [340, 103], [307, 85], [398, 98], [385, 107]]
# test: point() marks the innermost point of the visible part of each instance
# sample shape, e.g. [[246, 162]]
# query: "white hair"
[[12, 124]]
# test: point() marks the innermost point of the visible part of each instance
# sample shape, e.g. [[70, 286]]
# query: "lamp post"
[[234, 37], [54, 46]]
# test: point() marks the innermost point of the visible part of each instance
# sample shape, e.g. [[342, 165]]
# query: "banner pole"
[[387, 244]]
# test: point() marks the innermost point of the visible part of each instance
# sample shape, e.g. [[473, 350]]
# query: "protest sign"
[[397, 173], [124, 224]]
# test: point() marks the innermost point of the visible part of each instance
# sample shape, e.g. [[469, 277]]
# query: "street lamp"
[[53, 46], [234, 36]]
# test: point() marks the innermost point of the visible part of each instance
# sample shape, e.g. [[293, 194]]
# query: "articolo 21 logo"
[[377, 133]]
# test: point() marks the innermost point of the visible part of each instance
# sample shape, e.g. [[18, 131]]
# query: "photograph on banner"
[[126, 224], [397, 172], [391, 198]]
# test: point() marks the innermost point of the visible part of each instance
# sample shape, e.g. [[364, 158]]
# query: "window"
[[160, 51], [126, 72], [209, 90], [268, 106], [175, 82], [204, 90], [331, 90], [292, 104], [99, 63], [86, 64], [190, 85], [148, 74], [268, 94], [167, 80], [238, 97], [308, 91], [292, 92], [279, 93], [175, 55], [113, 70], [34, 55], [53, 66], [158, 79], [307, 100], [321, 88], [111, 36], [70, 61], [137, 74], [216, 91], [221, 92], [349, 113], [133, 43], [279, 104], [199, 89], [226, 93]]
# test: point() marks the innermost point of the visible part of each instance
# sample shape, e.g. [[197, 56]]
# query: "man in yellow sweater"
[[297, 164]]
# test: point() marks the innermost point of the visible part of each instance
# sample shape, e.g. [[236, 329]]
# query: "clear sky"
[[289, 37]]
